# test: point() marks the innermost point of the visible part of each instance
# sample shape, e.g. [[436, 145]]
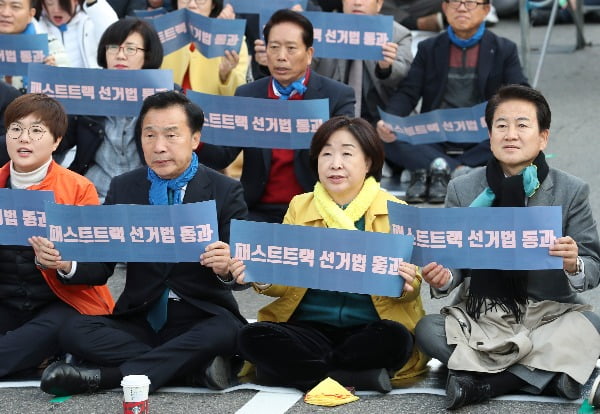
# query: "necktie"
[[157, 314]]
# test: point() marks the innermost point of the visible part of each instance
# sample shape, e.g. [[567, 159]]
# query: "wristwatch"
[[578, 269]]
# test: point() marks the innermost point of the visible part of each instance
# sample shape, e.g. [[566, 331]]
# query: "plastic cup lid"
[[135, 381]]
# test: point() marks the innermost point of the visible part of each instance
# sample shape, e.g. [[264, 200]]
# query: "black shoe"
[[439, 176], [417, 189], [376, 379], [219, 374], [464, 390], [62, 379], [565, 387]]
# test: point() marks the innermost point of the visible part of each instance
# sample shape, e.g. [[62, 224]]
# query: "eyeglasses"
[[128, 50], [199, 3], [469, 4], [15, 130]]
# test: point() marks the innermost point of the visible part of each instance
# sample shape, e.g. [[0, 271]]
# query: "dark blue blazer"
[[194, 283], [498, 65]]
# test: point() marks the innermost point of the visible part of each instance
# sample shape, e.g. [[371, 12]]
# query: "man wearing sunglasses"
[[458, 68]]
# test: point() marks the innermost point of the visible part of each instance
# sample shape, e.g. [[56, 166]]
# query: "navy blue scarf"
[[466, 43], [159, 187]]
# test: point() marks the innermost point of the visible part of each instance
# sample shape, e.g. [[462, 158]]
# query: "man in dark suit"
[[271, 177], [459, 68], [173, 320]]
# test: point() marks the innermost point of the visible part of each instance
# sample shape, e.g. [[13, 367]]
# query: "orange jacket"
[[74, 189]]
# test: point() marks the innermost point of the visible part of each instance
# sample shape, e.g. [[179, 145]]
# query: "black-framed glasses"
[[128, 50], [469, 4], [15, 131]]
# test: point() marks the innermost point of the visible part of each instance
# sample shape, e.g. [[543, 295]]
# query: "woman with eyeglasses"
[[35, 294], [106, 145], [78, 25]]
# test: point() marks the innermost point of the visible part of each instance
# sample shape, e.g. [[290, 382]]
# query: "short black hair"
[[522, 93], [290, 16], [217, 7], [162, 100], [362, 130], [116, 33]]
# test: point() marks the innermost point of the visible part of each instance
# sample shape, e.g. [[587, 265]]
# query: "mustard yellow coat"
[[204, 72], [407, 309]]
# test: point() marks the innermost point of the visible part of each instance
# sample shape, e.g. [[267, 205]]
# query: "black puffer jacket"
[[23, 286]]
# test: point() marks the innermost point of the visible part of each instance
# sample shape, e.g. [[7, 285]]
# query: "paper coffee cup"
[[135, 394]]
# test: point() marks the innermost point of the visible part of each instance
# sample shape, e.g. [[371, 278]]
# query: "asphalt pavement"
[[570, 80]]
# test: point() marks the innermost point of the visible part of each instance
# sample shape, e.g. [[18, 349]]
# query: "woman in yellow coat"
[[215, 76], [307, 335]]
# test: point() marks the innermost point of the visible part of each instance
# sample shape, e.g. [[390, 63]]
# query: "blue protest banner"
[[461, 125], [22, 215], [321, 258], [261, 6], [261, 123], [210, 36], [18, 51], [172, 29], [213, 37], [132, 233], [150, 14], [350, 36], [507, 238], [99, 91]]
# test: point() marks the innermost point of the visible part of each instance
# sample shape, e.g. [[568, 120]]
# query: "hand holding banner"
[[321, 258], [517, 238], [132, 233], [460, 125]]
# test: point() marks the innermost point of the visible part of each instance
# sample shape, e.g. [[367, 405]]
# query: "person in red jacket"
[[35, 294]]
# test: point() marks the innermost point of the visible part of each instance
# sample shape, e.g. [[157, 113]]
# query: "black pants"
[[300, 354], [27, 338], [187, 343]]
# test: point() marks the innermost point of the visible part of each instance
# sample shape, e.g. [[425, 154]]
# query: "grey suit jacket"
[[337, 69], [558, 189]]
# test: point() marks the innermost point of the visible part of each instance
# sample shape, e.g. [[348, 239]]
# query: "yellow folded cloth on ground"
[[329, 393]]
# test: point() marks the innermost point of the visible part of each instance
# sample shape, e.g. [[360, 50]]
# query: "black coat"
[[498, 65], [194, 283]]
